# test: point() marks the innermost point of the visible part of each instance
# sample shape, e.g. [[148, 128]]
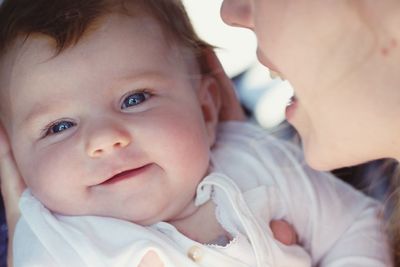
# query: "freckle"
[[384, 51]]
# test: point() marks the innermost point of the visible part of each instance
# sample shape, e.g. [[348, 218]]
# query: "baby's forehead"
[[31, 59], [21, 57], [21, 66], [12, 65], [35, 47]]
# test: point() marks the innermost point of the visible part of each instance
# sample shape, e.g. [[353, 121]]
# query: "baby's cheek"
[[27, 170], [45, 178], [38, 179], [195, 158]]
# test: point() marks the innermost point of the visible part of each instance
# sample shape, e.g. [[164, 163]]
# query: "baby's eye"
[[58, 127], [134, 99]]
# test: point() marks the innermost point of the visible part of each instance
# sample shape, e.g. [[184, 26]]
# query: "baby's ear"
[[210, 101]]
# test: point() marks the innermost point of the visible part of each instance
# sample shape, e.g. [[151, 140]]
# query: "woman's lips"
[[128, 174]]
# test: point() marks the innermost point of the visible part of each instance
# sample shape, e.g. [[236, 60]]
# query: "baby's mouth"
[[127, 174]]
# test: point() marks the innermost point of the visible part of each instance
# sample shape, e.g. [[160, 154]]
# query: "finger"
[[12, 187], [284, 232], [4, 147], [11, 180], [230, 108], [12, 184]]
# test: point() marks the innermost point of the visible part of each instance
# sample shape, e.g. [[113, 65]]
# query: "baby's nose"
[[106, 140]]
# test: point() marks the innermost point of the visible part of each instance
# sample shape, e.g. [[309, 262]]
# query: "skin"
[[342, 59], [11, 189], [179, 104], [85, 133]]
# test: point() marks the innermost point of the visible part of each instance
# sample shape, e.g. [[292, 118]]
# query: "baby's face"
[[113, 126]]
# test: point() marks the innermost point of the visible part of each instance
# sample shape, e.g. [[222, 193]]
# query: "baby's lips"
[[125, 174]]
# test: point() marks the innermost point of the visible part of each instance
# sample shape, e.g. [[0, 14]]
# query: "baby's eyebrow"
[[48, 105], [38, 111], [153, 76]]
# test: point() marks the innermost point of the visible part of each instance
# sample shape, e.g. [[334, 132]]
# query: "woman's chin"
[[320, 160], [318, 164], [328, 161]]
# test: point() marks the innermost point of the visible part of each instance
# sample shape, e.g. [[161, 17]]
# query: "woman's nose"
[[106, 139], [237, 13]]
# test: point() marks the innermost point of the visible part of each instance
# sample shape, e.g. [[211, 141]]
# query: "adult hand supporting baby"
[[12, 187], [284, 232], [230, 109]]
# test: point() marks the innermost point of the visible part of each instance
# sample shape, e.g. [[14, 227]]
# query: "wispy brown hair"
[[66, 21]]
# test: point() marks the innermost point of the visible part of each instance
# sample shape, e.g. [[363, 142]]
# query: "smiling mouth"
[[128, 174]]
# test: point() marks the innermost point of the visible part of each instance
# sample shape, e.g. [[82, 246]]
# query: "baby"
[[113, 122]]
